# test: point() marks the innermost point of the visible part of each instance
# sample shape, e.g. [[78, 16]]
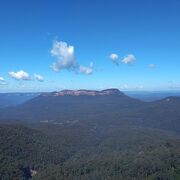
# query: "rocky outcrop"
[[83, 92]]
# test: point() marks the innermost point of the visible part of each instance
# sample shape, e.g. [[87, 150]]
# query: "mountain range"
[[106, 106], [89, 135], [12, 99]]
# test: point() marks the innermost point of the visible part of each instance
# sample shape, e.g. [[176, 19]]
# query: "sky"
[[88, 44]]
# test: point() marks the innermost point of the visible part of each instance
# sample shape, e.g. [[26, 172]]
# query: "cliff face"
[[83, 92]]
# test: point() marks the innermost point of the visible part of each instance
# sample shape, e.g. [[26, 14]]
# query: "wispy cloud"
[[20, 75], [39, 77], [152, 66], [132, 87], [130, 59], [86, 70], [2, 81], [65, 59], [173, 85]]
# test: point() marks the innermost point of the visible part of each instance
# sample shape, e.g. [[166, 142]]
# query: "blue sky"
[[56, 44]]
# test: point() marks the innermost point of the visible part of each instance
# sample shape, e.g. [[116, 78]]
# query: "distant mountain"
[[82, 105], [86, 134], [163, 114], [152, 96], [12, 99], [109, 106], [72, 105], [83, 92]]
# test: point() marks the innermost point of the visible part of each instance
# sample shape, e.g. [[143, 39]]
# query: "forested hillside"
[[90, 135], [87, 152], [108, 106]]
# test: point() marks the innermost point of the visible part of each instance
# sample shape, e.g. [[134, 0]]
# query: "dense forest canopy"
[[90, 137]]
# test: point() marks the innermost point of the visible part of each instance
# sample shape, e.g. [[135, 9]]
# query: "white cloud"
[[114, 58], [151, 66], [39, 77], [65, 59], [173, 85], [2, 79], [140, 87], [64, 55], [86, 70], [130, 59], [125, 86], [132, 87], [20, 75], [3, 83]]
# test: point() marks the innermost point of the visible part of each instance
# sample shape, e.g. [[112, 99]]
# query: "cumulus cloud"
[[114, 58], [130, 59], [20, 75], [65, 59], [2, 79], [39, 77], [86, 70], [151, 66], [64, 55]]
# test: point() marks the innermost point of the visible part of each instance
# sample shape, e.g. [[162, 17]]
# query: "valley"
[[90, 136]]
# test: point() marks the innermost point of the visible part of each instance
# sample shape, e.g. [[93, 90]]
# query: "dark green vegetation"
[[109, 137], [113, 108], [88, 152]]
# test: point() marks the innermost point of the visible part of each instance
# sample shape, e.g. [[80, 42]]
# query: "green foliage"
[[82, 151]]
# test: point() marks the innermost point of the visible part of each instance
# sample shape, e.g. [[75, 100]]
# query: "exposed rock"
[[83, 92]]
